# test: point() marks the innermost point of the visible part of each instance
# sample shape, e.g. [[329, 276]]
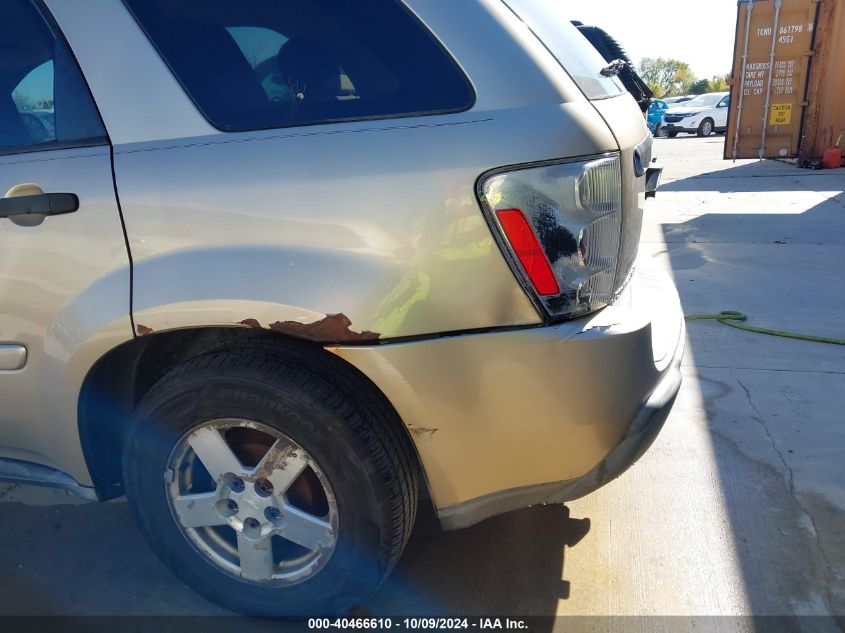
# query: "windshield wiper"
[[614, 68]]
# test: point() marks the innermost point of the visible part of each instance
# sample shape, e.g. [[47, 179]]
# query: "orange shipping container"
[[788, 79]]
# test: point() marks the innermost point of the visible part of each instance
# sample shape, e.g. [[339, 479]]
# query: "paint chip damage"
[[143, 330]]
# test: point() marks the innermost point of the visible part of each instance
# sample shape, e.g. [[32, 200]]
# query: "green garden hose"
[[735, 319]]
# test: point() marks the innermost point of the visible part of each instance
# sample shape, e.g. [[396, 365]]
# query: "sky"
[[700, 32], [38, 84]]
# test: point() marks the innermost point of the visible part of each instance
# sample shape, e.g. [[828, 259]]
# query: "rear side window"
[[257, 64], [44, 102], [550, 21]]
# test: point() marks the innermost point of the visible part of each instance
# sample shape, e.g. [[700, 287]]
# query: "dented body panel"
[[392, 239], [508, 412], [377, 220]]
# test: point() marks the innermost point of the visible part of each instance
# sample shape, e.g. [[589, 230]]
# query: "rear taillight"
[[528, 251], [560, 224]]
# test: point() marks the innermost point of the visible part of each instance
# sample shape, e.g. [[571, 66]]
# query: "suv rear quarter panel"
[[379, 224], [376, 221]]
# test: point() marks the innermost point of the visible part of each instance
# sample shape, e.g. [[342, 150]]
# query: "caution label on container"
[[781, 114]]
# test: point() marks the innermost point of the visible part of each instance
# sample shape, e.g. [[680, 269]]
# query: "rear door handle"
[[39, 204]]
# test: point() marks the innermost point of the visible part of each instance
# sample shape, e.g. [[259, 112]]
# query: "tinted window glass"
[[549, 20], [43, 98], [703, 101], [256, 64]]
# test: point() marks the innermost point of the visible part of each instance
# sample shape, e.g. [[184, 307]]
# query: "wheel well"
[[121, 378]]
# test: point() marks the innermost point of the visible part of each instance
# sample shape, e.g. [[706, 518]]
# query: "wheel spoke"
[[198, 510], [214, 453], [305, 529], [256, 557], [281, 465]]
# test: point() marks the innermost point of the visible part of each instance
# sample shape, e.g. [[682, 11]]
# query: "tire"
[[342, 438], [705, 128], [662, 133], [672, 134]]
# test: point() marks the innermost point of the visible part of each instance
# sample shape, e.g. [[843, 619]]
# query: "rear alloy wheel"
[[705, 128], [273, 519], [275, 482], [661, 132]]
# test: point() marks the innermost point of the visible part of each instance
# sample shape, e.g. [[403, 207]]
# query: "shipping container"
[[788, 79]]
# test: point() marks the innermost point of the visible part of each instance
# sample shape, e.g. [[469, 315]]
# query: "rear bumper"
[[509, 419], [677, 127], [640, 436]]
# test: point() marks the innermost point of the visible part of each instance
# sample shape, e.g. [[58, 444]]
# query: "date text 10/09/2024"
[[412, 624]]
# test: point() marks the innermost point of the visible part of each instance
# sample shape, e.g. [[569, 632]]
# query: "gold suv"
[[271, 268]]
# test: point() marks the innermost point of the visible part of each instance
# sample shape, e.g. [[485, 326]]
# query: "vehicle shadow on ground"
[[769, 420], [508, 565], [85, 559], [91, 559], [755, 177]]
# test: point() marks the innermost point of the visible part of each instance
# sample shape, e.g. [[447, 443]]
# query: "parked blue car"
[[654, 117]]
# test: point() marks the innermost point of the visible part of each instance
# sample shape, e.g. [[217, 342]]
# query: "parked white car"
[[703, 115], [672, 101]]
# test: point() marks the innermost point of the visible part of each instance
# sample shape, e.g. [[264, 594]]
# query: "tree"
[[719, 83], [700, 87], [658, 91], [667, 77]]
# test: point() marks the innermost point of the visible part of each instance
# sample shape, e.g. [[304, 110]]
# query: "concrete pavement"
[[738, 508]]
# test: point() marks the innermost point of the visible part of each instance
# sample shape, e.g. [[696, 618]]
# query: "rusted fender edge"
[[333, 328]]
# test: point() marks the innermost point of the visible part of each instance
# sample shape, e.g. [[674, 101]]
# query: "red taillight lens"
[[527, 248], [561, 226]]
